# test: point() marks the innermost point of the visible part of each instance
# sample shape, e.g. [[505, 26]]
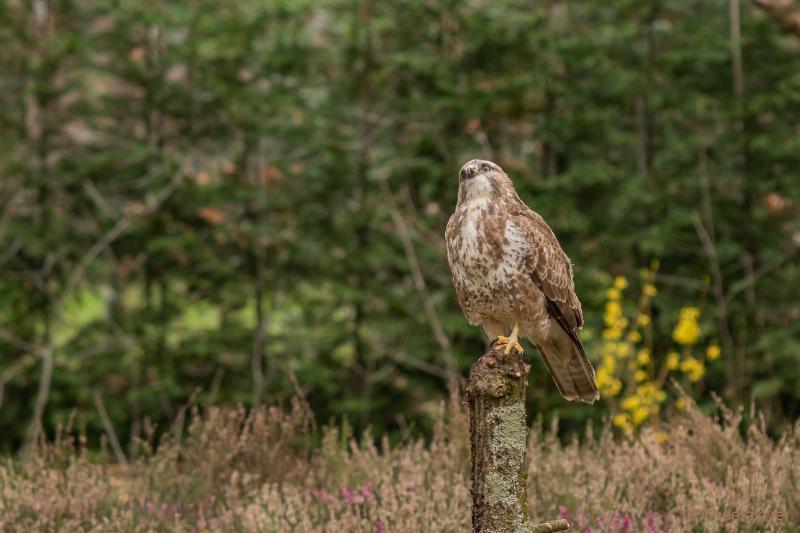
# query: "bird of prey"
[[511, 275]]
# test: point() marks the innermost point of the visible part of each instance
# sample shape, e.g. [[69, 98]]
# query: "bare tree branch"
[[752, 278], [114, 233], [419, 280], [680, 281], [109, 428], [736, 47], [414, 362], [12, 370], [97, 198], [11, 251], [42, 394], [710, 250], [21, 344], [551, 527]]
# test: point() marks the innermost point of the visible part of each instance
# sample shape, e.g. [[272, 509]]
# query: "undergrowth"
[[233, 469]]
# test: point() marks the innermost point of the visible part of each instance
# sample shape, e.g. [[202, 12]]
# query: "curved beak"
[[470, 170]]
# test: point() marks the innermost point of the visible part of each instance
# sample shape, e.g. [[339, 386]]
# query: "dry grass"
[[235, 470]]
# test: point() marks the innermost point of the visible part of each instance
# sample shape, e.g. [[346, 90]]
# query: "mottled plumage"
[[508, 268]]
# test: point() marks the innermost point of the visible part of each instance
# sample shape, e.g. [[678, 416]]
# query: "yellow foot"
[[508, 344]]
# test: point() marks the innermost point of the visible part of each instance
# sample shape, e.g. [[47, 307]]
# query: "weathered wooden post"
[[499, 437]]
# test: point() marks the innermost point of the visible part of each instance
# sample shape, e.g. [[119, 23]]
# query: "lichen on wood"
[[499, 435]]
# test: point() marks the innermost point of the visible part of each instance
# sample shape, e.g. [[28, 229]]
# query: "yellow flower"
[[693, 368], [613, 320], [712, 353], [687, 331], [646, 389], [643, 358], [620, 282], [613, 387], [634, 336], [640, 375], [651, 392], [623, 422], [613, 294], [606, 382], [644, 319], [680, 404], [673, 361], [613, 309], [623, 350], [650, 290], [639, 415], [661, 437], [631, 402]]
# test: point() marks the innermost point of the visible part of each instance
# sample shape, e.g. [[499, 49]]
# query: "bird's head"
[[479, 178]]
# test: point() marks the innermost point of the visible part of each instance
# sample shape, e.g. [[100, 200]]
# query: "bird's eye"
[[485, 168]]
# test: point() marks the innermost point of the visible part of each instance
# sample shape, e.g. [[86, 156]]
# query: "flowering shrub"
[[630, 375]]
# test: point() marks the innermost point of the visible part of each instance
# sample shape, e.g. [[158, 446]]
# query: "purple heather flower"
[[651, 522], [324, 496], [349, 496], [366, 491]]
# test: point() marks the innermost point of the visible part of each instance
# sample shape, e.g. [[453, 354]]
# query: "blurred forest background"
[[221, 202]]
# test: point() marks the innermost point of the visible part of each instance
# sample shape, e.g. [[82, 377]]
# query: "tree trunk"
[[499, 435]]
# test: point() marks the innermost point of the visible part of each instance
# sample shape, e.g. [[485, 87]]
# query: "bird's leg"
[[513, 341], [510, 343]]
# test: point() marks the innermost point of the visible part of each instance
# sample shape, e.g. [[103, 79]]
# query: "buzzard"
[[510, 274]]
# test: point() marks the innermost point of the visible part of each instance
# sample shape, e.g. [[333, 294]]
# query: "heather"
[[232, 469]]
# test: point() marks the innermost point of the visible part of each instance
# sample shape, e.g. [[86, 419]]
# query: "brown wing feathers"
[[552, 273]]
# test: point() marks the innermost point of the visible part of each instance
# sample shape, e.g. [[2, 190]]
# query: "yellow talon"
[[514, 346], [500, 341], [510, 343]]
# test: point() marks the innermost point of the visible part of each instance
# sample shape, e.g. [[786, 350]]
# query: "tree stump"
[[499, 438]]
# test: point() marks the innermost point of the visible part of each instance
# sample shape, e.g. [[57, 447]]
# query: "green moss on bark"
[[499, 434]]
